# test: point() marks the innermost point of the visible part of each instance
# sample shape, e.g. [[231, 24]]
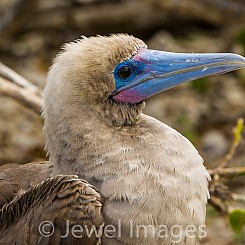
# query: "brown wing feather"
[[15, 178], [60, 200]]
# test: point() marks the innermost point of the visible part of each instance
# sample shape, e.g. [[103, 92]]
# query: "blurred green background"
[[32, 31]]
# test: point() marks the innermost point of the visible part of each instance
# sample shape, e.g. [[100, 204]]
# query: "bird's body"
[[153, 181], [141, 171], [135, 192], [147, 172]]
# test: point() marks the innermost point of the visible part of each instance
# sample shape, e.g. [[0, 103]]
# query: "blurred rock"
[[218, 232], [21, 137], [214, 145], [163, 40]]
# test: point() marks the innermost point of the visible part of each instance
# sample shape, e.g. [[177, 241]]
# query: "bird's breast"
[[146, 173]]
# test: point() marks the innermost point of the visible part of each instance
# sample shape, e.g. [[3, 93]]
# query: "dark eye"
[[124, 72]]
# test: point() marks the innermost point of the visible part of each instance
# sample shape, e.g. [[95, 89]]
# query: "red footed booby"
[[152, 180]]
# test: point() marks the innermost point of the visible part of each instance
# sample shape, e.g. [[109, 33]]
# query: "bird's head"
[[120, 72]]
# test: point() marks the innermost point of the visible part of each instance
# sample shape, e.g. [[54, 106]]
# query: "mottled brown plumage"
[[15, 178], [54, 200]]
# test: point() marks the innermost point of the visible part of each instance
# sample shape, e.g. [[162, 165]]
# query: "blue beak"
[[150, 71]]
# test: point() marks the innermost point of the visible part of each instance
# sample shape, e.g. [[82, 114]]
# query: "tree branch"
[[14, 77], [237, 131], [238, 197], [23, 95], [227, 171]]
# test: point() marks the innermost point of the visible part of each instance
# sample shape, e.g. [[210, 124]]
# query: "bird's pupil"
[[124, 72]]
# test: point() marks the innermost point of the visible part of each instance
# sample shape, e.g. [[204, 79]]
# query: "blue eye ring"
[[124, 72]]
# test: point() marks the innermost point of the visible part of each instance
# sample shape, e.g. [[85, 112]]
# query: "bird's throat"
[[119, 114]]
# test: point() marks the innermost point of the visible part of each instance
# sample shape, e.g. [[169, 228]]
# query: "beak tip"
[[237, 59]]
